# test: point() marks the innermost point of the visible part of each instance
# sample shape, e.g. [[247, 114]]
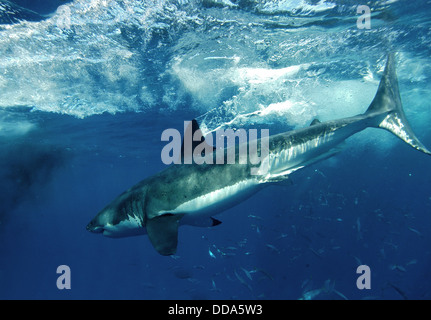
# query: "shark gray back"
[[191, 193]]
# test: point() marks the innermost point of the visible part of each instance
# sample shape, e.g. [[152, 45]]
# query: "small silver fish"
[[272, 248], [310, 295], [211, 254], [247, 273]]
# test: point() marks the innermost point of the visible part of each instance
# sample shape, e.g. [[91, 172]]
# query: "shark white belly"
[[204, 206]]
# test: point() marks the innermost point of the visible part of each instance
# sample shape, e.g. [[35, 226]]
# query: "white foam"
[[81, 61], [77, 62], [287, 96], [296, 6], [263, 75]]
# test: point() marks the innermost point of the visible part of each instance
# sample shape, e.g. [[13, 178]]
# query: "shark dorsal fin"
[[315, 121], [192, 138]]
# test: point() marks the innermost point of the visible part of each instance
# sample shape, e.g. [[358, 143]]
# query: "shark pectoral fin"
[[163, 233]]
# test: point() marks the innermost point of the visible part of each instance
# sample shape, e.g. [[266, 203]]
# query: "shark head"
[[122, 217], [114, 225], [102, 221]]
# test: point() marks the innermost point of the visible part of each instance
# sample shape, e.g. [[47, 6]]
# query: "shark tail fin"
[[386, 109]]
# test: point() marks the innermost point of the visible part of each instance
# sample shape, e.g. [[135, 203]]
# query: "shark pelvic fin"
[[163, 233], [215, 222], [204, 222], [387, 110]]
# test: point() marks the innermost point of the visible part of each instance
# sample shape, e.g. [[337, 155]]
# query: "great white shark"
[[192, 194]]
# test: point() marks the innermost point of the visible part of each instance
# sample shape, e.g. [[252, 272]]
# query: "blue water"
[[86, 89]]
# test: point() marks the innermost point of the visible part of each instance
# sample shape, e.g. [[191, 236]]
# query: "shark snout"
[[93, 227]]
